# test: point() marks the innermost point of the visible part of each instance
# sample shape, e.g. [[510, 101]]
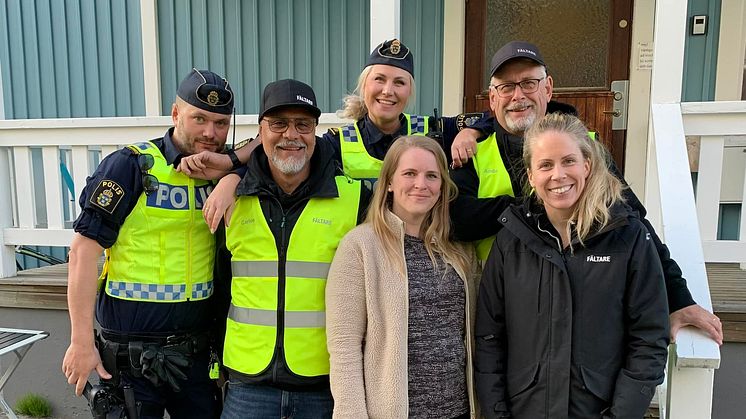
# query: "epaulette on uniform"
[[466, 120]]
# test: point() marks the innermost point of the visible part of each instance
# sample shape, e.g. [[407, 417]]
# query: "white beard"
[[520, 125]]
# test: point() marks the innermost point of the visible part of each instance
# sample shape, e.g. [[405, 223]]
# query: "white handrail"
[[691, 366]]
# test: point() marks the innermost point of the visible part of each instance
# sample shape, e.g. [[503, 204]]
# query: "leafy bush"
[[34, 405]]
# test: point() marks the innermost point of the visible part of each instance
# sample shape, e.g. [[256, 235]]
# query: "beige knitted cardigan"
[[366, 324]]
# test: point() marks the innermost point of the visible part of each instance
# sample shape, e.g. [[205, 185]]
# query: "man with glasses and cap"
[[154, 302], [293, 207], [520, 94]]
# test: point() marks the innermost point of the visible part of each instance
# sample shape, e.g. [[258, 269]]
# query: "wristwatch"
[[234, 159]]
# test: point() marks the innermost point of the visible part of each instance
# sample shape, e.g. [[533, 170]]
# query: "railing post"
[[689, 392], [7, 253]]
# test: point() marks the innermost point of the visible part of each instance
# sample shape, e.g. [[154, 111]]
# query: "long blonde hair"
[[353, 106], [436, 227], [602, 188]]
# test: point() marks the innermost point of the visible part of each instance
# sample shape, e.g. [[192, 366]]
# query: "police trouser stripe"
[[261, 317], [254, 269]]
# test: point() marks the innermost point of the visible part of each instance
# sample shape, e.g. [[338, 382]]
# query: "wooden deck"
[[728, 292], [46, 288]]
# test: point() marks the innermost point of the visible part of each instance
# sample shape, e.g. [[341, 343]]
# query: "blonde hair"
[[353, 106], [602, 188], [436, 227]]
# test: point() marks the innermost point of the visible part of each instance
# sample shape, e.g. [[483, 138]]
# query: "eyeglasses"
[[280, 125], [508, 89], [149, 182]]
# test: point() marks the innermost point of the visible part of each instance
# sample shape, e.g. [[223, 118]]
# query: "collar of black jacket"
[[528, 221], [320, 183]]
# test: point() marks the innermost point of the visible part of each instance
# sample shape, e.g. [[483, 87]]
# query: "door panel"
[[585, 43]]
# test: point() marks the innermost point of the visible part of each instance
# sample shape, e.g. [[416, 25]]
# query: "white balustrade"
[[80, 135]]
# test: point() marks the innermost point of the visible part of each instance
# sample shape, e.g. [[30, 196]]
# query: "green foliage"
[[33, 405]]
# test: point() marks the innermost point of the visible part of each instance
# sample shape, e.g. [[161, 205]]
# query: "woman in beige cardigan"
[[400, 298]]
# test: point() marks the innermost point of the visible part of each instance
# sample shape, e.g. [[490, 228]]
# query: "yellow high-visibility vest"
[[256, 319], [164, 252], [356, 162]]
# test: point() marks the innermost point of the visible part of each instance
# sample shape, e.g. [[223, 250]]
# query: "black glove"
[[164, 365]]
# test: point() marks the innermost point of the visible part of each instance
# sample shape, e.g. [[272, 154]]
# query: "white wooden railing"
[[720, 125], [85, 141]]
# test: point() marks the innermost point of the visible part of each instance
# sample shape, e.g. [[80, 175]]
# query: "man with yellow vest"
[[293, 207], [520, 94], [154, 301]]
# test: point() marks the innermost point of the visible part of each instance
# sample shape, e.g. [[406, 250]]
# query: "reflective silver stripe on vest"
[[318, 270], [261, 317]]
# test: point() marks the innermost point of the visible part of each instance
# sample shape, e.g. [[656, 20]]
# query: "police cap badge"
[[392, 53], [207, 91]]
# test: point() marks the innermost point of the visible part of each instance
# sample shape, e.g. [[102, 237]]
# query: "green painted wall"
[[422, 32], [72, 58], [700, 53], [83, 58], [321, 42]]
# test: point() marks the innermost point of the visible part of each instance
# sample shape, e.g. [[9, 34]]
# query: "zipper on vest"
[[192, 210], [281, 275]]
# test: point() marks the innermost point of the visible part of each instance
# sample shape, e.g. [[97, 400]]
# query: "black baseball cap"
[[285, 93], [392, 53], [515, 49], [207, 91]]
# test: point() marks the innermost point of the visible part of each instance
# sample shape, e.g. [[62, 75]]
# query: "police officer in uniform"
[[293, 208], [154, 301], [520, 95]]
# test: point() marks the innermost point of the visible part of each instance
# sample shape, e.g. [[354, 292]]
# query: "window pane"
[[573, 36]]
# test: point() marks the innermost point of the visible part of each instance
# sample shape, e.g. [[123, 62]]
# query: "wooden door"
[[597, 58]]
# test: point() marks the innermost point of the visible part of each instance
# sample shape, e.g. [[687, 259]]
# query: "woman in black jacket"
[[572, 318]]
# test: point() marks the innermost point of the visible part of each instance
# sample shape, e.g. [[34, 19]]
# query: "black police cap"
[[392, 53], [207, 91], [286, 93], [515, 49]]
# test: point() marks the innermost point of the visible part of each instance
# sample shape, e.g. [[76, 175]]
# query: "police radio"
[[436, 131]]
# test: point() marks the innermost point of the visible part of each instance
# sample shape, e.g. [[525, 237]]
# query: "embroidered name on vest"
[[594, 258], [486, 171], [324, 221]]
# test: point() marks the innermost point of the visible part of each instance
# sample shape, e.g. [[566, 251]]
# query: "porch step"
[[44, 288], [728, 292]]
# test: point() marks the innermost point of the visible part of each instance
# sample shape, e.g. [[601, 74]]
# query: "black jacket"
[[563, 334], [477, 218], [282, 210]]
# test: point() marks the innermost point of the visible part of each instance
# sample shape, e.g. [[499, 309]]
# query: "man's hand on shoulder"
[[206, 165], [695, 315], [464, 147]]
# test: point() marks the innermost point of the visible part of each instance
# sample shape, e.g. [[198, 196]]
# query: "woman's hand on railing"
[[220, 203], [695, 315]]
